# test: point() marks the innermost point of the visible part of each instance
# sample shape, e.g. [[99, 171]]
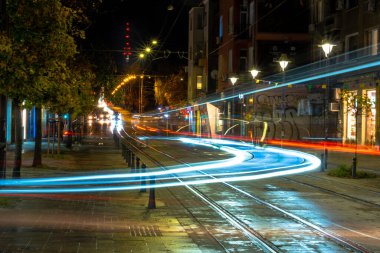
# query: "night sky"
[[148, 20]]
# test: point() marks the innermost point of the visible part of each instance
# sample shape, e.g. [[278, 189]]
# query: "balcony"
[[333, 23]]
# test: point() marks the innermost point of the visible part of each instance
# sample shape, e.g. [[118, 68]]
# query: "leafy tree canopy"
[[36, 48]]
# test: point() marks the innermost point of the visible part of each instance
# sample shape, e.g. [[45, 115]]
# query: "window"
[[351, 4], [252, 13], [351, 45], [372, 40], [320, 13], [199, 82], [251, 18], [200, 21], [250, 57], [205, 18], [231, 20], [351, 122], [221, 28], [371, 6], [230, 69], [243, 60], [371, 118], [243, 16]]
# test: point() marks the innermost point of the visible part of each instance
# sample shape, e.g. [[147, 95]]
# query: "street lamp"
[[254, 72], [233, 80], [283, 61], [327, 47]]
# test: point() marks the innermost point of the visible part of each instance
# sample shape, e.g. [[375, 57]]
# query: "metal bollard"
[[132, 162], [137, 165], [152, 194], [123, 151], [354, 167], [322, 162], [128, 157], [143, 183]]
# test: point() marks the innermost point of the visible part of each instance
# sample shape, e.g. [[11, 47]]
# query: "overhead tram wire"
[[299, 80]]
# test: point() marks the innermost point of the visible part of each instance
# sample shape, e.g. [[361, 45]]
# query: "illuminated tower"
[[127, 45]]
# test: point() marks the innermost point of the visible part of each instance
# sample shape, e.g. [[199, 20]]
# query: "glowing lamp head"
[[283, 61], [233, 79], [148, 49], [141, 56], [327, 47], [166, 115], [254, 73]]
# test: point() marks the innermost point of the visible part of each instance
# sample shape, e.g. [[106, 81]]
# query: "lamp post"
[[141, 94], [233, 80], [254, 72], [166, 115], [283, 61], [327, 48]]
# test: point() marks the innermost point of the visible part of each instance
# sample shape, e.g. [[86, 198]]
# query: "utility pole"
[[3, 103], [3, 123], [141, 95]]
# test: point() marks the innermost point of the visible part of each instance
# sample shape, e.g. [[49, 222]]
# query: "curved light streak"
[[302, 80], [239, 168]]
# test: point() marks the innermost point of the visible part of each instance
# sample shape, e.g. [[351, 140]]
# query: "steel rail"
[[338, 239]]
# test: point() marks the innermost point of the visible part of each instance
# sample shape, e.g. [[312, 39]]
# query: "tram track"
[[252, 235], [267, 245], [345, 196]]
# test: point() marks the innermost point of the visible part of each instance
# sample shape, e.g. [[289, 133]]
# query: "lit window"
[[199, 82], [372, 41]]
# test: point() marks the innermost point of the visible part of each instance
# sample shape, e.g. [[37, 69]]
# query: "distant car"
[[67, 134]]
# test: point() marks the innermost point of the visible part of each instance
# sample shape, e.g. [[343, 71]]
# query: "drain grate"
[[151, 231]]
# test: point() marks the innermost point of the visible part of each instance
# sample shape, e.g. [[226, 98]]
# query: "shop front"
[[359, 120]]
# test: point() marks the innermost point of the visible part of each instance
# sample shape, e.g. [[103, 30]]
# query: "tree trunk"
[[3, 122], [18, 140], [69, 143], [37, 159], [59, 136]]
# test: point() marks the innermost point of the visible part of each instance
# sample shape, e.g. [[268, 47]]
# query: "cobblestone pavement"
[[121, 221]]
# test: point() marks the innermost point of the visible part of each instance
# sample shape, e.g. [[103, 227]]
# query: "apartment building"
[[353, 26]]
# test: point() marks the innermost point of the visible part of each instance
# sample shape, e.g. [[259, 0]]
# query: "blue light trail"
[[248, 163], [297, 81]]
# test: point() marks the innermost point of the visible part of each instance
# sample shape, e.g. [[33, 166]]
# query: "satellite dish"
[[214, 74]]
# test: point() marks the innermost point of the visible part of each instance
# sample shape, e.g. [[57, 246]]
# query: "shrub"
[[344, 170]]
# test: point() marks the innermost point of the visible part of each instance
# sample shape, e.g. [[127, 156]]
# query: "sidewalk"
[[95, 222], [121, 221]]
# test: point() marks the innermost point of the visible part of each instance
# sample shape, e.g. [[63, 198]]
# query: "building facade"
[[353, 26]]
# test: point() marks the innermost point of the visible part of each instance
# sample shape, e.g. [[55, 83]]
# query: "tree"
[[171, 91], [357, 104], [33, 56]]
